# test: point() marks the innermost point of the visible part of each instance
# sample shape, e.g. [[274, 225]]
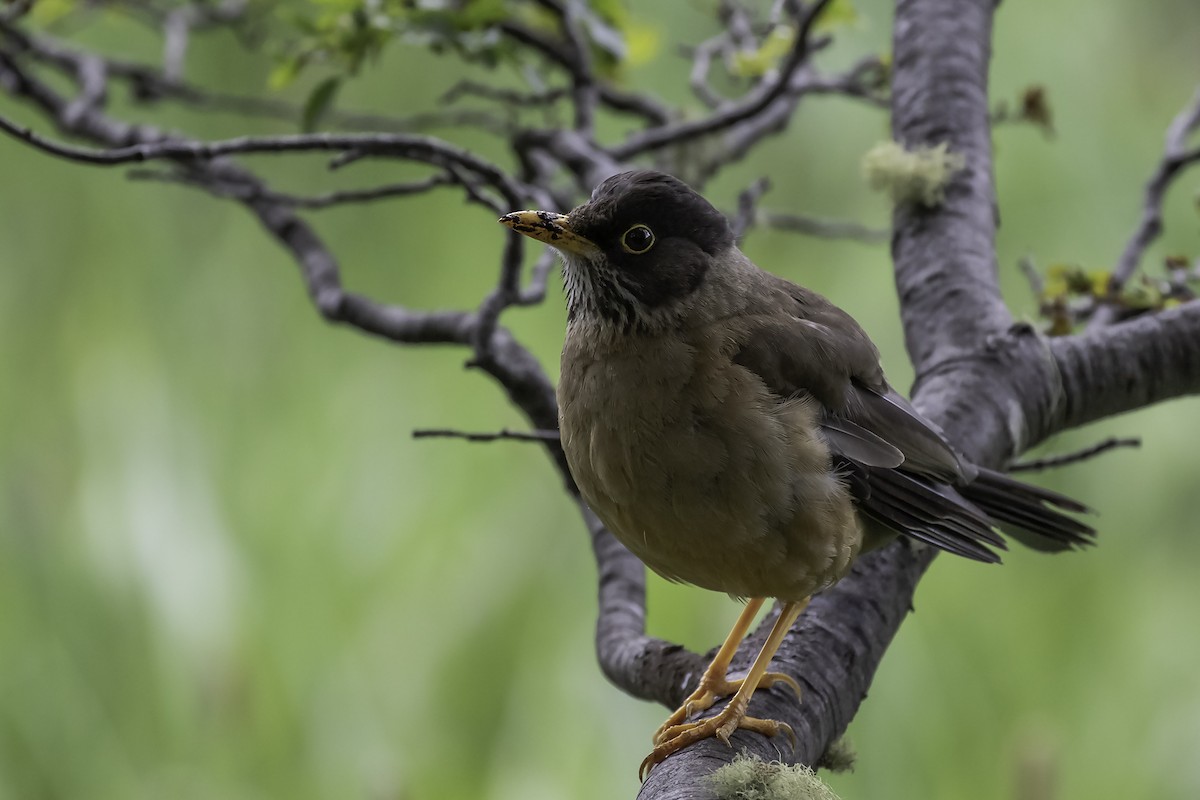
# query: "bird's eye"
[[637, 239]]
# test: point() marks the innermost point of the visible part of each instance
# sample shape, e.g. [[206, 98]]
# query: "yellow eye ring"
[[637, 240]]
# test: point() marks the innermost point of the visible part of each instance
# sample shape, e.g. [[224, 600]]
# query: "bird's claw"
[[707, 694], [676, 737]]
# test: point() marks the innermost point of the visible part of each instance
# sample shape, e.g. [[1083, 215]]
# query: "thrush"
[[735, 431]]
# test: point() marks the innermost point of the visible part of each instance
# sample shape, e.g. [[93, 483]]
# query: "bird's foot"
[[722, 726], [707, 694]]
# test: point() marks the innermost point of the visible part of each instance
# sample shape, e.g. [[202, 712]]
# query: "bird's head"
[[636, 251]]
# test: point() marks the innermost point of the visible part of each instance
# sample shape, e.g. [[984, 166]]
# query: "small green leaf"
[[643, 43], [839, 14], [47, 12], [1141, 295], [774, 47], [318, 103], [283, 73]]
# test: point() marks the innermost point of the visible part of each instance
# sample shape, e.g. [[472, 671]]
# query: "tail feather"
[[1030, 514]]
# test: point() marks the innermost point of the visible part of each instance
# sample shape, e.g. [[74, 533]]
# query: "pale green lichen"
[[911, 176], [749, 778]]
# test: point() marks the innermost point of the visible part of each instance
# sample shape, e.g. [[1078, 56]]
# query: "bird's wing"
[[896, 464], [802, 343], [903, 472]]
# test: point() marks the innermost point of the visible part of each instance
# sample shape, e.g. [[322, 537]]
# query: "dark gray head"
[[643, 242]]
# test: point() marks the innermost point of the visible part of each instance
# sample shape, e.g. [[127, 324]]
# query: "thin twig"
[[628, 102], [702, 58], [417, 148], [585, 94], [1066, 459], [747, 206], [1029, 269], [864, 80], [755, 103], [1176, 157], [256, 191], [150, 85], [824, 228], [509, 97], [502, 434], [535, 291]]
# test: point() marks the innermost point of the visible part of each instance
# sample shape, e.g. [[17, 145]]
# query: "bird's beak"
[[551, 228]]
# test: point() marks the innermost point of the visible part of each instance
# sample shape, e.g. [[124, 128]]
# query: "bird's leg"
[[713, 683], [733, 716]]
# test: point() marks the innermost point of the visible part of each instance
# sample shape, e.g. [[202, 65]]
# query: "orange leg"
[[676, 737], [713, 683]]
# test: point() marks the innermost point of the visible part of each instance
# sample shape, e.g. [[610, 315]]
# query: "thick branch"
[[1119, 368], [945, 257], [834, 652]]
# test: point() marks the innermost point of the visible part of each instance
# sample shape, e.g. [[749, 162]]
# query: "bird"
[[736, 431]]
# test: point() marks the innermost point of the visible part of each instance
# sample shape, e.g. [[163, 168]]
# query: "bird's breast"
[[700, 471]]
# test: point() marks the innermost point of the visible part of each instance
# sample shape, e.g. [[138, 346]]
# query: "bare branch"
[[178, 24], [754, 103], [584, 91], [256, 191], [1030, 271], [1118, 368], [747, 206], [861, 80], [535, 291], [702, 57], [617, 100], [506, 96], [151, 85], [504, 434], [825, 228], [1066, 459], [417, 148], [1176, 157]]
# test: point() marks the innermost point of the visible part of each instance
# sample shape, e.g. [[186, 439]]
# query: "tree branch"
[[1066, 459], [824, 228], [946, 271], [1149, 359]]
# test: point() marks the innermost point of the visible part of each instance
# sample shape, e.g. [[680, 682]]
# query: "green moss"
[[749, 778], [911, 176]]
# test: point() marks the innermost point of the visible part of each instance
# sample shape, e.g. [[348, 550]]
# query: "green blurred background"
[[226, 570]]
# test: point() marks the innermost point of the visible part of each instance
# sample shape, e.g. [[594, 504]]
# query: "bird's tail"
[[1030, 514]]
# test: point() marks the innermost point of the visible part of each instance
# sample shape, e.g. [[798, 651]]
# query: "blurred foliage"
[[1033, 107], [227, 571], [345, 34], [1069, 293]]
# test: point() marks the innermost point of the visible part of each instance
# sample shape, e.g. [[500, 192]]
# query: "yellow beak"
[[551, 228]]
